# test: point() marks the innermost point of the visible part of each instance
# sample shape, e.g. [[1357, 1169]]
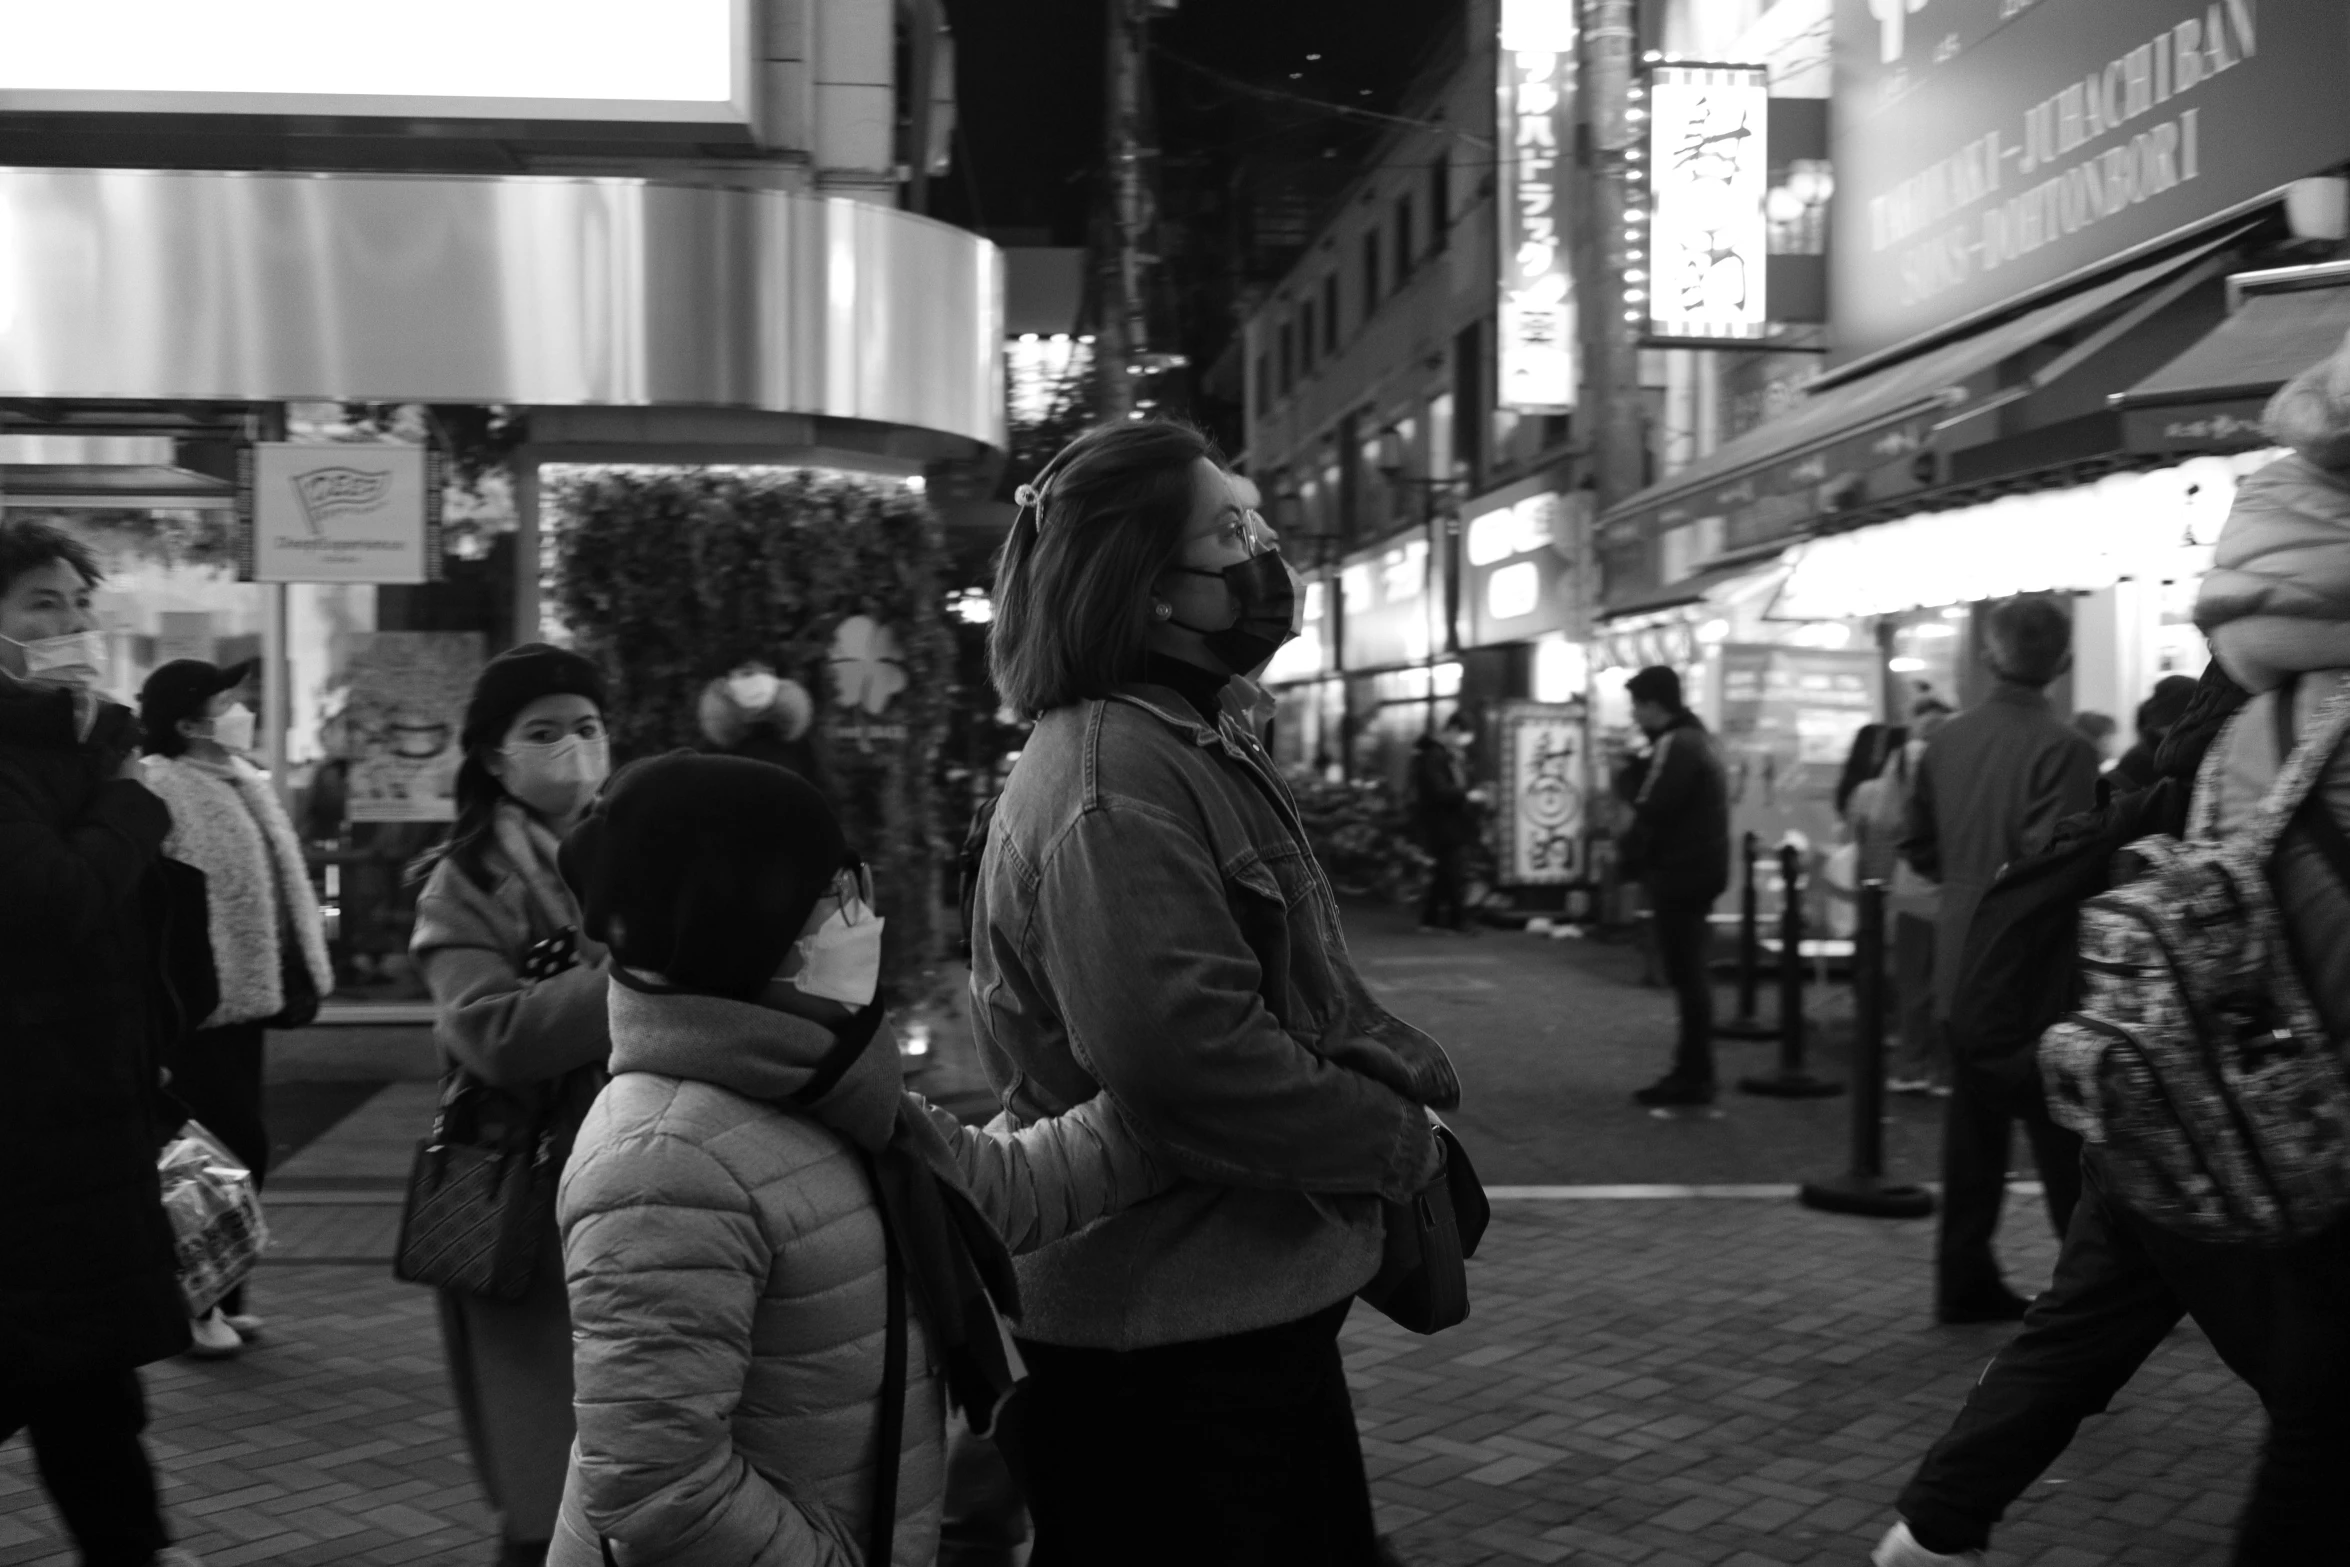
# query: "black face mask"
[[1270, 611]]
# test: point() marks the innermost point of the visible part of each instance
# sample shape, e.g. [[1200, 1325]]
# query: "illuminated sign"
[[1520, 580], [1308, 653], [678, 61], [1707, 233], [1539, 363]]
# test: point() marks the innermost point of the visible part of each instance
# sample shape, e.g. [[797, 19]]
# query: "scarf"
[[528, 847]]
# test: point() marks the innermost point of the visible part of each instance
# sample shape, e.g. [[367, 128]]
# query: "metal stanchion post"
[[1862, 1188], [1791, 1080], [1746, 1025]]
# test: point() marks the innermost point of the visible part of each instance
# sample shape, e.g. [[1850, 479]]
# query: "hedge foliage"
[[670, 577]]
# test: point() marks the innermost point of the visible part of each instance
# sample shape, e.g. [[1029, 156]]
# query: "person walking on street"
[[90, 1292], [1445, 814], [1678, 847], [268, 943], [1991, 788], [1149, 920], [1879, 815], [519, 1006], [2276, 607], [755, 1203]]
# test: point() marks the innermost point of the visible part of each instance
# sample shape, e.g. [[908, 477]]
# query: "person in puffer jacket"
[[753, 1186]]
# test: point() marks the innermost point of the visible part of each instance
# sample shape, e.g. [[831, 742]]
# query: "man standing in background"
[[1678, 846], [1991, 788]]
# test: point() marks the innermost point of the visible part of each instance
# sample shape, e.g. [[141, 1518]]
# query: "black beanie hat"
[[518, 677], [712, 864]]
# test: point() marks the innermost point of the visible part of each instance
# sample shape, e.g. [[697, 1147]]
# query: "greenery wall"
[[670, 577]]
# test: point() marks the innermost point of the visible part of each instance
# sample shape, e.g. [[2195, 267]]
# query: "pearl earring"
[[1162, 610]]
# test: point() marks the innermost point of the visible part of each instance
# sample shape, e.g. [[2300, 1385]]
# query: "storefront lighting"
[[2083, 539], [1906, 666], [1934, 629], [916, 483], [972, 607], [1714, 631], [1956, 612]]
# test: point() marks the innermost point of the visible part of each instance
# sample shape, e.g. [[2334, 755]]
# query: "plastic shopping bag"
[[215, 1211]]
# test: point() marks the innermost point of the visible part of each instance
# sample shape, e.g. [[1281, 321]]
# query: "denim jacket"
[[1150, 920]]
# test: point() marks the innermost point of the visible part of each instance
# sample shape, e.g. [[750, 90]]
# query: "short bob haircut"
[[1072, 589]]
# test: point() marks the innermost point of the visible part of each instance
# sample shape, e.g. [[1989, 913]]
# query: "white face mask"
[[838, 955], [233, 728], [557, 777], [76, 659], [754, 692]]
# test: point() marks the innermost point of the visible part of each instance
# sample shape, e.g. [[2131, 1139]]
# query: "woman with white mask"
[[267, 941], [519, 1013]]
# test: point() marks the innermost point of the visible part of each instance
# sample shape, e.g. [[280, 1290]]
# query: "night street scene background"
[[1104, 783]]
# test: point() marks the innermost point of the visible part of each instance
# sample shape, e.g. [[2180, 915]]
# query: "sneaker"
[[244, 1323], [1669, 1090], [1900, 1548], [214, 1339]]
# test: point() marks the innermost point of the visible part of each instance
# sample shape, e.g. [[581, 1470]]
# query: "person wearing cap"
[[518, 1006], [267, 942], [89, 1285], [755, 1185]]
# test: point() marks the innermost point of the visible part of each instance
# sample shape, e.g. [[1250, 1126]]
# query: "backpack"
[[2194, 1055]]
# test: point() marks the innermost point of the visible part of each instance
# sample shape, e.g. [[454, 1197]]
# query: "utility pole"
[[1121, 336], [1611, 342]]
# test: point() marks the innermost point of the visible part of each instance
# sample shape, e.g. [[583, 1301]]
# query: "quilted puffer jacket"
[[724, 1256], [2277, 599]]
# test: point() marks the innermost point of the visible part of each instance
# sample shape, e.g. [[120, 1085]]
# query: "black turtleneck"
[[1202, 688]]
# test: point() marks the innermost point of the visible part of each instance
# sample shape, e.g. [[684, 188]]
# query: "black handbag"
[[1423, 1282], [480, 1198]]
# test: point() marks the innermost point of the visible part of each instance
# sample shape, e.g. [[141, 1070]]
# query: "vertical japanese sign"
[[1543, 793], [1708, 148], [1538, 362]]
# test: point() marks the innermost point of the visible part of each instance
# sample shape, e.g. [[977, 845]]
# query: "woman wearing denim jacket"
[[1149, 920]]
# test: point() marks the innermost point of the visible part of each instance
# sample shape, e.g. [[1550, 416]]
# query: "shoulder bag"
[[1423, 1281]]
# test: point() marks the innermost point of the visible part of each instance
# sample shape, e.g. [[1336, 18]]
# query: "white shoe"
[[244, 1323], [214, 1339], [1900, 1548]]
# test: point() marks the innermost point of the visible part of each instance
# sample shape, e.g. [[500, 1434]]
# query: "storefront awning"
[[1849, 445], [1710, 586], [2213, 394]]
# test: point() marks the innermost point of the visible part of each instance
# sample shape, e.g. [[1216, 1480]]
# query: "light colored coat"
[[727, 1282], [226, 821]]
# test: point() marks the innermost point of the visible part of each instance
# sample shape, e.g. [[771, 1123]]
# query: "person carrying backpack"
[[2257, 1250]]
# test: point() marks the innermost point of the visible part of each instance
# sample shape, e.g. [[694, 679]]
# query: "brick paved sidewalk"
[[1643, 1382]]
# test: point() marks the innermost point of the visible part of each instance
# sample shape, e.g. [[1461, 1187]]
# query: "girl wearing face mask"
[[518, 993], [268, 946]]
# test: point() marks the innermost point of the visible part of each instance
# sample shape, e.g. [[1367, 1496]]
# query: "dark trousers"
[[217, 1075], [1976, 1132], [1446, 881], [2281, 1320], [1238, 1451], [85, 1436], [1684, 941]]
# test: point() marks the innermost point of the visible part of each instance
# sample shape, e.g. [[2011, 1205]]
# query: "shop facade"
[[167, 333], [2044, 384]]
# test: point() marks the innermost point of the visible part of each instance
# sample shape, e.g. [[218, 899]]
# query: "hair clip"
[[1025, 495]]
